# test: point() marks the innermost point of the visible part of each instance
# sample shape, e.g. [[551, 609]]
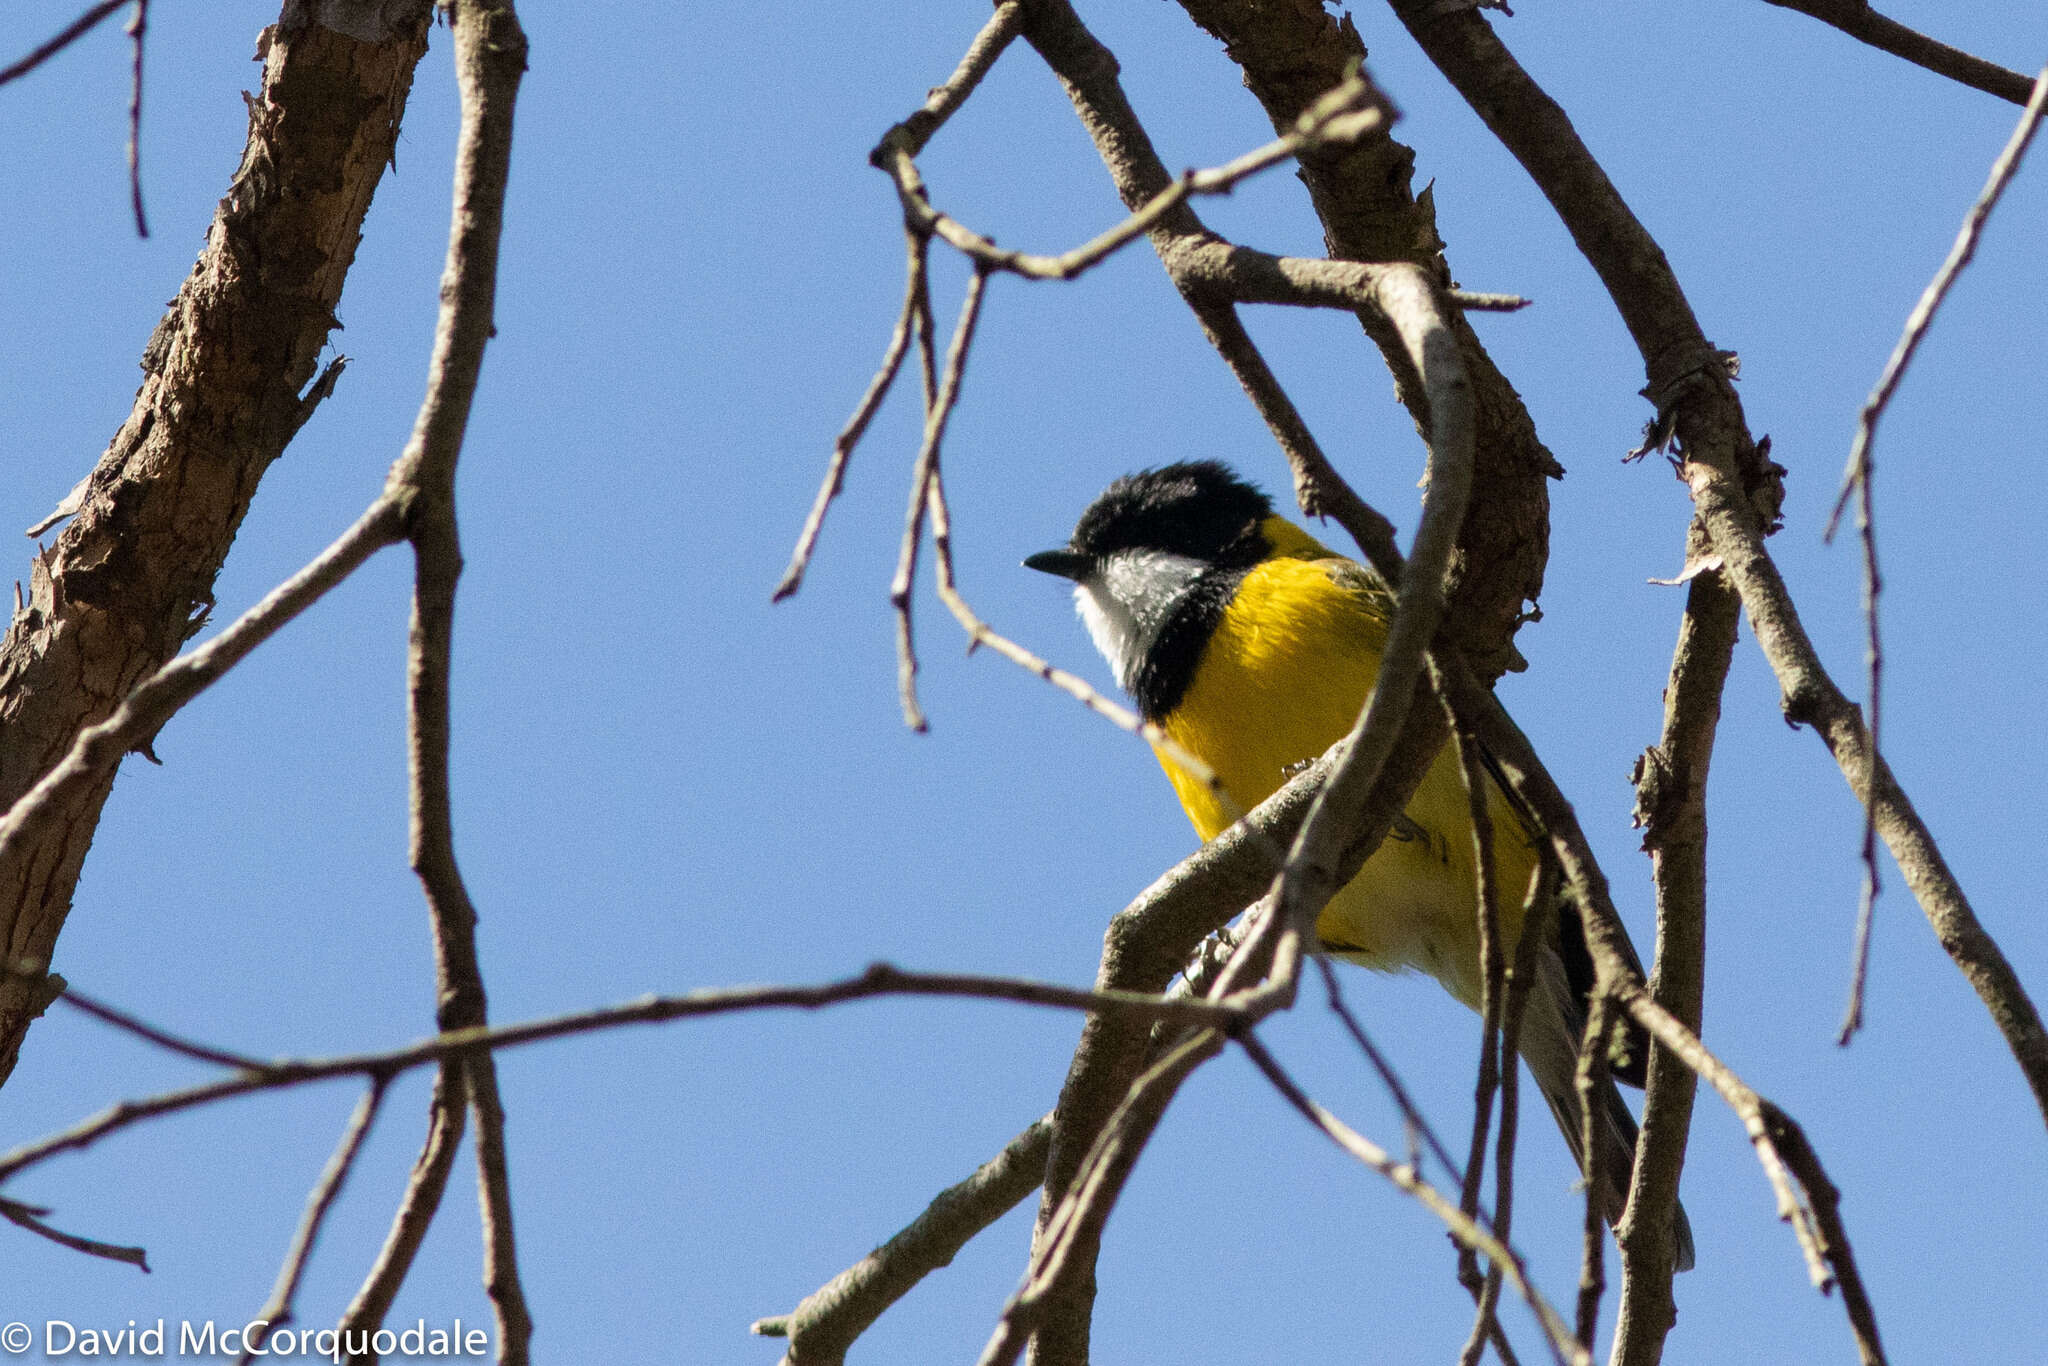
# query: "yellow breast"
[[1281, 679]]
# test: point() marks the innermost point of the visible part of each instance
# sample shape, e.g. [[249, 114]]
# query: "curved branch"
[[1857, 19]]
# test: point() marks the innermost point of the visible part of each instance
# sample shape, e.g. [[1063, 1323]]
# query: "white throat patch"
[[1127, 601]]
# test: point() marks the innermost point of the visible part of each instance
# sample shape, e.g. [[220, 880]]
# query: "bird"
[[1253, 647]]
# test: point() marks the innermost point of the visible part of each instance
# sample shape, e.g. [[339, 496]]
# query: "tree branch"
[[116, 596], [1291, 51], [1857, 480], [277, 1310], [1857, 19], [1735, 489], [825, 1324], [63, 38], [1671, 789]]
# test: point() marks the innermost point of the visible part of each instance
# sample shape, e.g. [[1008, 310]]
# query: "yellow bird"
[[1254, 646]]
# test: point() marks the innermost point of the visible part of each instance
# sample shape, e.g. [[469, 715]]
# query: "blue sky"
[[664, 783]]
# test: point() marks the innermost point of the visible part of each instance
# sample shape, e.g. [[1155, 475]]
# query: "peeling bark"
[[130, 579]]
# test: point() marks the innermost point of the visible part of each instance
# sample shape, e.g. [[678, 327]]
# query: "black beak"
[[1068, 564]]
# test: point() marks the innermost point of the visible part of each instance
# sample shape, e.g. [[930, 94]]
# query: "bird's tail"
[[1551, 1029]]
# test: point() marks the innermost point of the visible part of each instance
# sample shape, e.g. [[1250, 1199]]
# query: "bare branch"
[[944, 99], [1413, 1120], [277, 1310], [1492, 964], [824, 1325], [1343, 115], [416, 1207], [145, 710], [1857, 479], [121, 1019], [1537, 914], [30, 1217], [1671, 782], [1201, 875], [914, 289], [65, 37], [1857, 19], [1467, 1231], [136, 27], [1591, 1081], [938, 409]]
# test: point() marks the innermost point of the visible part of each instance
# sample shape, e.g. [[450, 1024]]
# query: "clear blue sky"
[[664, 784]]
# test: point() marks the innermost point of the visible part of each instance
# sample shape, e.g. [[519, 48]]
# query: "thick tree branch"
[[121, 589], [1291, 51]]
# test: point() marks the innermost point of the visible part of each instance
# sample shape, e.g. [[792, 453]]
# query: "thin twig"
[[944, 99], [879, 980], [1590, 1080], [1342, 116], [1857, 19], [1858, 477], [938, 409], [416, 1209], [980, 633], [1537, 913], [277, 1310], [30, 1217], [121, 1019], [1318, 487], [1873, 657], [136, 27], [1492, 972], [914, 288], [1412, 1119], [157, 698], [1492, 983], [1468, 1232], [69, 34]]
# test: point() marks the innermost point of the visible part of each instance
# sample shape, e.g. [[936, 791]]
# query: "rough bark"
[[130, 579], [1291, 52]]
